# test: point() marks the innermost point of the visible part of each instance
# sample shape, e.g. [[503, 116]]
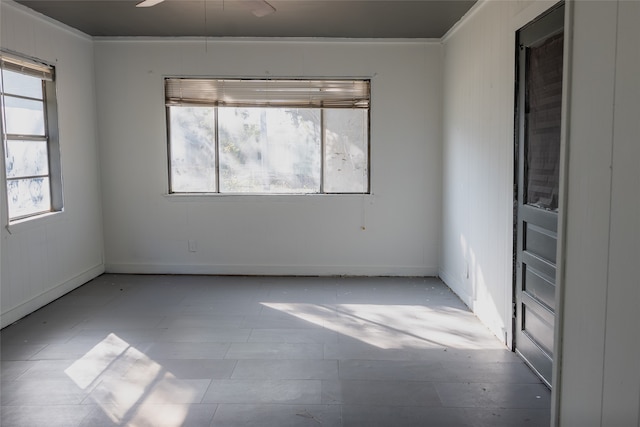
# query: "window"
[[239, 136], [29, 135]]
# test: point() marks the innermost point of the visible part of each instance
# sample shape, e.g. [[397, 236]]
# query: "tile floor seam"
[[233, 371], [213, 416]]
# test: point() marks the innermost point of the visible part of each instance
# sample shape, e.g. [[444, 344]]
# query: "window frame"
[[216, 105], [33, 67]]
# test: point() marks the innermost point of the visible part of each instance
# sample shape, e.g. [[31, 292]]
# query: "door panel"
[[539, 106], [538, 326], [539, 286], [540, 241]]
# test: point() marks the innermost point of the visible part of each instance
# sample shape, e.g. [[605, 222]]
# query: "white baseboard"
[[272, 270], [21, 310]]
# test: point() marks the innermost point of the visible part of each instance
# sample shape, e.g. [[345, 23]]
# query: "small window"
[[268, 136], [29, 136]]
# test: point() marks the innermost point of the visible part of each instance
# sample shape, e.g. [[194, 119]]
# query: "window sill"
[[34, 221], [249, 197]]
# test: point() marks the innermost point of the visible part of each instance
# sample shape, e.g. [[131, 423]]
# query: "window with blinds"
[[29, 137], [268, 136]]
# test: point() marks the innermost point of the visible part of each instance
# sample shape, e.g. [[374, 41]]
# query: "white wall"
[[600, 369], [478, 108], [45, 258], [146, 231]]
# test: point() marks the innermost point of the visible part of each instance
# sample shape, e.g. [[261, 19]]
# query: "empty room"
[[302, 213]]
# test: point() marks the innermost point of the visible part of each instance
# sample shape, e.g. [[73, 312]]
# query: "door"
[[539, 106]]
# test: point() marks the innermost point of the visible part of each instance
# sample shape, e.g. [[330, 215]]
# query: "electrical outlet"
[[193, 246]]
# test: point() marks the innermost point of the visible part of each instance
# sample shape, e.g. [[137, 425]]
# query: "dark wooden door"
[[539, 106]]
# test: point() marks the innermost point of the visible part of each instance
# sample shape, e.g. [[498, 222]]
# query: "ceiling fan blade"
[[149, 3], [259, 8]]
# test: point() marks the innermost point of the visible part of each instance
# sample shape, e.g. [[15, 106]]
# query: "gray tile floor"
[[262, 351]]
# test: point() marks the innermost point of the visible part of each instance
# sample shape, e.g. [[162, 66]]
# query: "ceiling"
[[233, 18]]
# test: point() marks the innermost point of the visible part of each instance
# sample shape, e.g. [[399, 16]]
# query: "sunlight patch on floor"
[[129, 386], [396, 326]]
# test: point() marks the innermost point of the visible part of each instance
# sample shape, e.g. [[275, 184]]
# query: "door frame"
[[556, 382]]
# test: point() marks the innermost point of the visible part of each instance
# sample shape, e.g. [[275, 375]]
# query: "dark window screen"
[[543, 117]]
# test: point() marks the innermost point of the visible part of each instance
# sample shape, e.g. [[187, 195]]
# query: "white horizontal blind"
[[268, 93], [26, 66]]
